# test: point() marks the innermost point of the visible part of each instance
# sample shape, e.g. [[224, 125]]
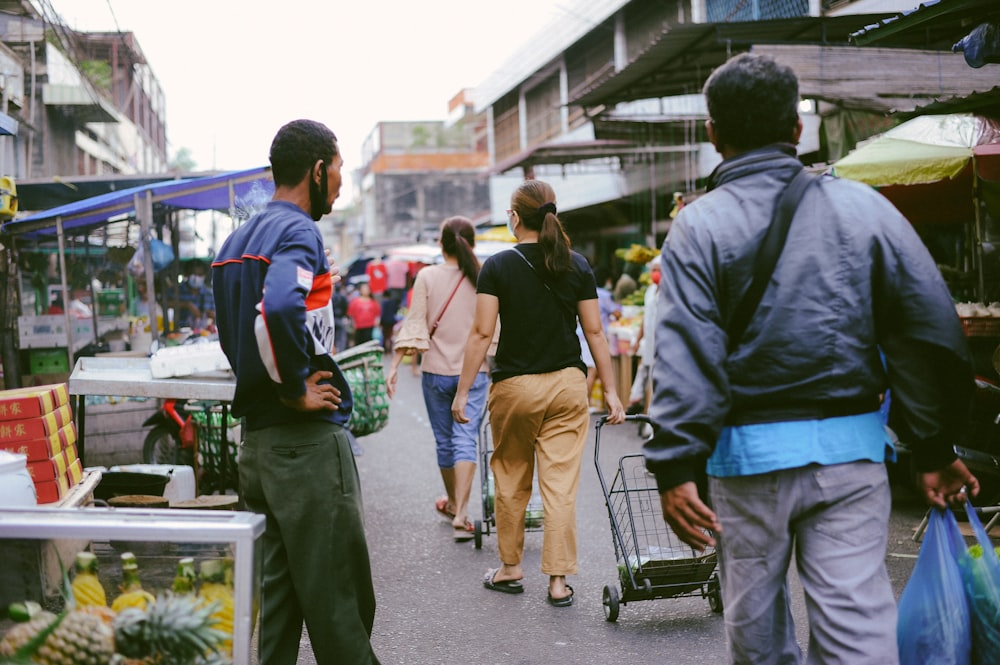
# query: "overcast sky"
[[233, 73]]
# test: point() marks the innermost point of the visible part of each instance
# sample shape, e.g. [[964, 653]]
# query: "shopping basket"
[[652, 561], [216, 466], [362, 367], [534, 515]]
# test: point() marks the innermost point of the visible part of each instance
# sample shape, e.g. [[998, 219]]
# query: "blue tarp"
[[218, 192]]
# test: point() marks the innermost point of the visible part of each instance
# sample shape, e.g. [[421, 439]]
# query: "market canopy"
[[225, 192], [928, 166]]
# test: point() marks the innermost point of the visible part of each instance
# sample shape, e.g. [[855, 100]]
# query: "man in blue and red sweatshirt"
[[273, 290]]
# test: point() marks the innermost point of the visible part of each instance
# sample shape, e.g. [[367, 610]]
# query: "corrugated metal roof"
[[680, 59], [933, 24]]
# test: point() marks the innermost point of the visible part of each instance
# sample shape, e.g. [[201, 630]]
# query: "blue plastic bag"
[[981, 573], [934, 622]]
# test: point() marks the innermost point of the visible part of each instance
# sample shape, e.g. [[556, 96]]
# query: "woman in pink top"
[[437, 325]]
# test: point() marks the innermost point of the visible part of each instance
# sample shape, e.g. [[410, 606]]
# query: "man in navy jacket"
[[273, 289]]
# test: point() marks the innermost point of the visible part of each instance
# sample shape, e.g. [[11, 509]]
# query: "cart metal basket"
[[652, 561], [534, 516]]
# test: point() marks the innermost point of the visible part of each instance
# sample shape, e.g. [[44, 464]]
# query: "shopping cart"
[[652, 561], [534, 516]]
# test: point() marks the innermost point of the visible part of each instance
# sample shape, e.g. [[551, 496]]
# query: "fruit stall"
[[142, 586]]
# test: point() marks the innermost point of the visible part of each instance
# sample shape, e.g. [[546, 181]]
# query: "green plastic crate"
[[48, 361]]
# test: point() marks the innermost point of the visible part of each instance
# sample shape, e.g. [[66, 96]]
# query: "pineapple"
[[172, 629], [81, 639], [132, 594], [216, 587], [86, 587], [76, 637], [185, 578], [24, 632]]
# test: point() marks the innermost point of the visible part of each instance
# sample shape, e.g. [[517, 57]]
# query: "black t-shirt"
[[537, 324]]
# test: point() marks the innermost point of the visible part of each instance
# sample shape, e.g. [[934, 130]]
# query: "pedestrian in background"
[[644, 347], [783, 415], [274, 285], [538, 400], [364, 312], [437, 324]]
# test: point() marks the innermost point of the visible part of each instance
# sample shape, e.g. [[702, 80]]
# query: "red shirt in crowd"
[[364, 312], [378, 276]]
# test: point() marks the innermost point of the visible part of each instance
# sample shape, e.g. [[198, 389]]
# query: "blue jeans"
[[455, 442]]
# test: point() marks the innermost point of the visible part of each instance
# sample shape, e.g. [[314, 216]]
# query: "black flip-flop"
[[565, 601], [506, 586]]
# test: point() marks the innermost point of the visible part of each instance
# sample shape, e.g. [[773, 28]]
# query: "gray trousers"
[[834, 520], [303, 478]]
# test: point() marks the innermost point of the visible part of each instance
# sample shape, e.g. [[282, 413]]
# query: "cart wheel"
[[647, 586], [610, 600], [715, 595], [478, 534]]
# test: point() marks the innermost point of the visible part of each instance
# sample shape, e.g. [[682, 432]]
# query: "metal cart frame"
[[534, 519], [652, 561]]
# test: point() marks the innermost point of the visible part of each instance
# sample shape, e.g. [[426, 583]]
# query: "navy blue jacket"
[[273, 296]]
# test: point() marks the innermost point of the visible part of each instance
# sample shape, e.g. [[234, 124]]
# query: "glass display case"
[[36, 544]]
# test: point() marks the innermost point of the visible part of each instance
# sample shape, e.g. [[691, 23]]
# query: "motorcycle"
[[172, 439]]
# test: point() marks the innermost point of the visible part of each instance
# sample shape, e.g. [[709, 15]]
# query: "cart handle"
[[640, 418]]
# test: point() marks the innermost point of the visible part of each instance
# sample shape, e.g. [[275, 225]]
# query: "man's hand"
[[688, 517], [317, 397], [952, 484], [334, 268]]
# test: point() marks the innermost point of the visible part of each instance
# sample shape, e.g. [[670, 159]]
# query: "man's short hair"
[[297, 146], [753, 101]]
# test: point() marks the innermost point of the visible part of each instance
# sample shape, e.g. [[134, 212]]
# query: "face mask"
[[196, 281], [510, 224]]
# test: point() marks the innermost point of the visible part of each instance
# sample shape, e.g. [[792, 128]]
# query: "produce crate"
[[48, 361], [981, 326]]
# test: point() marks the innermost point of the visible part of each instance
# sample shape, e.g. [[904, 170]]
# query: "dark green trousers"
[[303, 478]]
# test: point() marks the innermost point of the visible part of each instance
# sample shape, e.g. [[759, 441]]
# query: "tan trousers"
[[543, 419]]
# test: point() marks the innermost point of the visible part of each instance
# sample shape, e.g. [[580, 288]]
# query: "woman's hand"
[[458, 407], [616, 412]]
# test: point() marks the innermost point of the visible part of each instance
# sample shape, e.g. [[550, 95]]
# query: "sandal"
[[565, 601], [441, 506], [506, 586], [464, 533]]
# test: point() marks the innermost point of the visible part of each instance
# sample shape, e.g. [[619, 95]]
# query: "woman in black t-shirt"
[[538, 402]]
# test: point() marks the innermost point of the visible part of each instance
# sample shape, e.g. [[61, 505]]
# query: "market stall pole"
[[133, 377]]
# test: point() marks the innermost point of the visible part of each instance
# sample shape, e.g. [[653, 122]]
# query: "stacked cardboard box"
[[38, 422]]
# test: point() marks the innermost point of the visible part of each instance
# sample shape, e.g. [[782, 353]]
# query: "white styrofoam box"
[[180, 487], [49, 330], [188, 359]]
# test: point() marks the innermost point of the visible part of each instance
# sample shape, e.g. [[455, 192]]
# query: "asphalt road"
[[432, 607]]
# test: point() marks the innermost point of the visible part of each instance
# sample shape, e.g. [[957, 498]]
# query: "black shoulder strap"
[[767, 257], [555, 295]]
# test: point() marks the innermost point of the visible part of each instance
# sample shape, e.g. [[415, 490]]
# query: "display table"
[[159, 538], [132, 377]]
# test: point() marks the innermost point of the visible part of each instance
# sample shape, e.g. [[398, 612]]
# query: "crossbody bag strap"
[[544, 283], [437, 321], [767, 257]]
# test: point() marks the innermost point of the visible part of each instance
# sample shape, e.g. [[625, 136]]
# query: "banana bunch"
[[638, 254]]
